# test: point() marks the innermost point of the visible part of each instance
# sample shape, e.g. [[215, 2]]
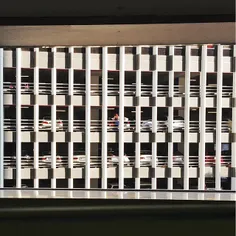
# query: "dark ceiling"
[[53, 8]]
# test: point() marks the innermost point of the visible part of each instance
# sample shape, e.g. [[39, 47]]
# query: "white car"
[[145, 158], [26, 160], [147, 126], [47, 159], [46, 124], [113, 160], [115, 186], [178, 160], [79, 158], [162, 126], [22, 186]]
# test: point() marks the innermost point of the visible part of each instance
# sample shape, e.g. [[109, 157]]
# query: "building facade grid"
[[176, 108]]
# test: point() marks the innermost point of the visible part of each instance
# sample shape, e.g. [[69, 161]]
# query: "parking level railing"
[[113, 89]]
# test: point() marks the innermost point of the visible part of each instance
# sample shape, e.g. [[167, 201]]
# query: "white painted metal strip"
[[187, 116], [104, 116], [88, 117], [138, 116], [219, 116], [18, 118], [1, 120], [71, 115], [36, 116], [202, 117], [53, 116], [233, 147], [154, 115], [121, 115], [170, 119]]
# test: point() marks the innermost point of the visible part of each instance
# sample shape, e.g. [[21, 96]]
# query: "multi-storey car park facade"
[[176, 107]]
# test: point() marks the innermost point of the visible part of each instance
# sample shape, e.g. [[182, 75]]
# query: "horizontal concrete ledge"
[[108, 35]]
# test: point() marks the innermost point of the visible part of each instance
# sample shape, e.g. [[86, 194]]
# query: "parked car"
[[162, 125], [47, 159], [145, 158], [178, 123], [113, 125], [22, 186], [178, 158], [25, 88], [113, 159], [115, 186], [146, 126], [46, 124], [25, 159], [79, 158], [229, 122], [210, 158]]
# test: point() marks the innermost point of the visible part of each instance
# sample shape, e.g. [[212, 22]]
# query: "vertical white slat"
[[154, 115], [187, 116], [1, 120], [104, 117], [233, 147], [202, 118], [71, 116], [121, 115], [36, 117], [18, 118], [88, 116], [138, 117], [170, 120], [219, 116], [53, 118]]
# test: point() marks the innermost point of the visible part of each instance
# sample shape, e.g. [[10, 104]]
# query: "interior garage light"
[[211, 112], [24, 76]]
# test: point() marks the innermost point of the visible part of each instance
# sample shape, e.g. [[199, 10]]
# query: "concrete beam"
[[106, 35]]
